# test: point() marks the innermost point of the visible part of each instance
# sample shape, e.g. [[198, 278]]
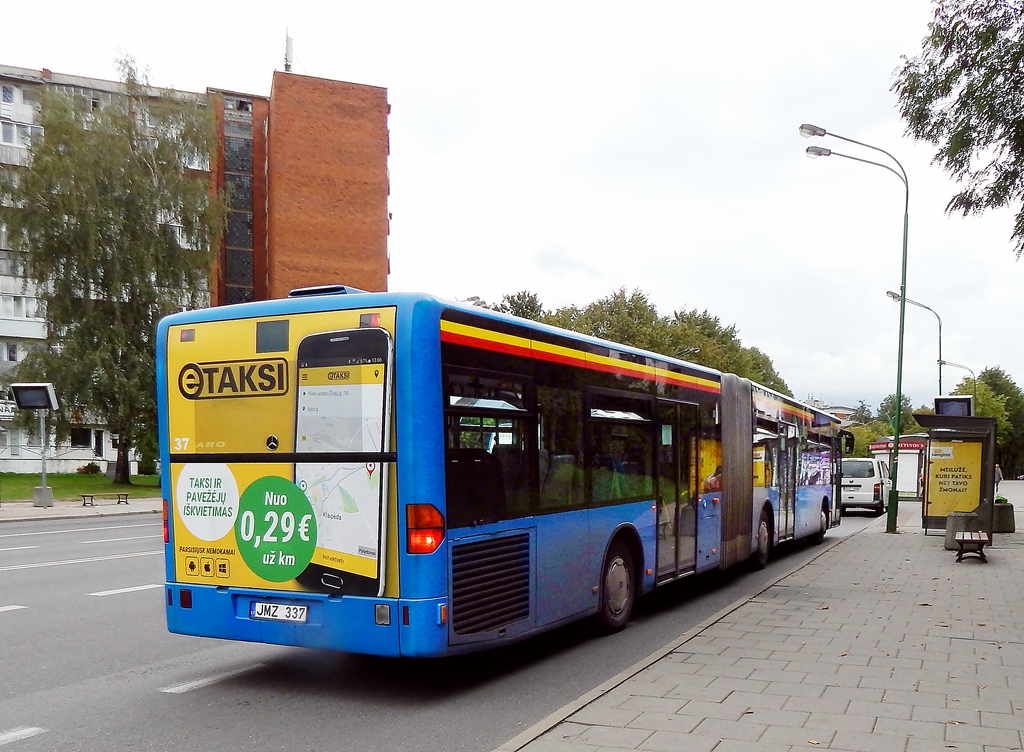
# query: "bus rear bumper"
[[354, 624]]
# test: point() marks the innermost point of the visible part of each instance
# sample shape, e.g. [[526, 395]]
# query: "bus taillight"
[[425, 528], [167, 530]]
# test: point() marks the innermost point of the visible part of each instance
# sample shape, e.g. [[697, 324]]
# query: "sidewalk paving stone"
[[879, 643]]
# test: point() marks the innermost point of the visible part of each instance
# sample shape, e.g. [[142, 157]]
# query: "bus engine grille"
[[490, 583]]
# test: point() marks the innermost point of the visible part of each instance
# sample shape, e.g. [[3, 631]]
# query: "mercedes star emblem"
[[271, 443]]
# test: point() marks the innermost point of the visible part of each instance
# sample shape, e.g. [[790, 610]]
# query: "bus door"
[[677, 492], [786, 476]]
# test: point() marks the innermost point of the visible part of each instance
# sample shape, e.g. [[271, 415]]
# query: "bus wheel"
[[618, 589], [759, 560], [819, 536]]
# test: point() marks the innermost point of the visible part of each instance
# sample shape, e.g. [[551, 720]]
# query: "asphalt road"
[[86, 662]]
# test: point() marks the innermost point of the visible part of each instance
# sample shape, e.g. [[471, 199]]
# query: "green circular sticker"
[[275, 529]]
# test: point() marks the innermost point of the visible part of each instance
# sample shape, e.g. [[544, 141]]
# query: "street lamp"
[[807, 131], [974, 379], [895, 296]]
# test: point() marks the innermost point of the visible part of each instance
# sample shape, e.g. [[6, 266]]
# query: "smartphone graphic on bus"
[[343, 406]]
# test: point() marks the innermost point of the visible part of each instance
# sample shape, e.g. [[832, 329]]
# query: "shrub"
[[91, 469]]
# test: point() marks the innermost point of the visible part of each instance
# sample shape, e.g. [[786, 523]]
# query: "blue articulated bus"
[[400, 475]]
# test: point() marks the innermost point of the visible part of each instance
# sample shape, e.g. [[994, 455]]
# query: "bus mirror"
[[847, 438]]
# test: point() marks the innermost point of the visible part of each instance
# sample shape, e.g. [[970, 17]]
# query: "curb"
[[546, 724], [65, 516]]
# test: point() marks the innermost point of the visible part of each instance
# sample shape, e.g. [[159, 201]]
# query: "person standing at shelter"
[[999, 477]]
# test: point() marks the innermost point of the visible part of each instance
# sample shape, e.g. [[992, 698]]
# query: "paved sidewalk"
[[11, 511], [880, 643]]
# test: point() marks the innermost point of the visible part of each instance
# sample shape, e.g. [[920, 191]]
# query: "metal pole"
[[894, 493], [42, 443], [815, 151]]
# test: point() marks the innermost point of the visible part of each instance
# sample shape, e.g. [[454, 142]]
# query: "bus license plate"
[[278, 612]]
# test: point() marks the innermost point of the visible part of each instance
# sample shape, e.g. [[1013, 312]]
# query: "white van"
[[866, 484]]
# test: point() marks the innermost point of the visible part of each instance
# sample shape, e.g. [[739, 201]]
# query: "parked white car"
[[866, 484]]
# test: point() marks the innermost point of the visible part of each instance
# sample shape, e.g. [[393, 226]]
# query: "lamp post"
[[807, 131], [895, 296], [974, 379]]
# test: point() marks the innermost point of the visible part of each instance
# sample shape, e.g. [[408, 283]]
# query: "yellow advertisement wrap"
[[710, 469], [251, 390], [760, 476], [954, 477]]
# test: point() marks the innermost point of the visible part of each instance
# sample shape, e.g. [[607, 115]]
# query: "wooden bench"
[[88, 500], [971, 543]]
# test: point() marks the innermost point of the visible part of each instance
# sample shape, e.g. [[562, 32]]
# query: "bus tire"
[[763, 551], [819, 537], [618, 588]]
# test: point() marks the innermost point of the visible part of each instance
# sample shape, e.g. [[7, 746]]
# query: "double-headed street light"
[[974, 379], [896, 296], [813, 152]]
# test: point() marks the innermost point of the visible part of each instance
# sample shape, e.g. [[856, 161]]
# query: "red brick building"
[[307, 181]]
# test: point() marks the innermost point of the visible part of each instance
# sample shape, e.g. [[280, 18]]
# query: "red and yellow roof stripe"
[[487, 339]]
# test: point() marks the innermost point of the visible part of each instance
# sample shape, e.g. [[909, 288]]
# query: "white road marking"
[[22, 732], [135, 589], [37, 565], [178, 689], [115, 540], [11, 608], [76, 530], [18, 548]]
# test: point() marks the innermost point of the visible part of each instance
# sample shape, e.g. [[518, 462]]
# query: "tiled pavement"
[[881, 643]]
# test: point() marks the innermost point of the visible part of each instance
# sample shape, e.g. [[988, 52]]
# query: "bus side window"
[[560, 469], [475, 488], [513, 459]]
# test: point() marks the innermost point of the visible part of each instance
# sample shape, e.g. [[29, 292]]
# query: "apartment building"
[[305, 170]]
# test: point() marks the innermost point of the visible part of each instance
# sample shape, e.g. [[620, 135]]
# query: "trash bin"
[[1002, 516], [960, 522]]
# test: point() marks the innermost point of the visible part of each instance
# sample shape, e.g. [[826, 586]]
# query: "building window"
[[237, 153], [238, 295], [81, 438], [7, 94], [240, 192], [239, 268], [237, 129], [7, 132], [239, 233], [12, 351]]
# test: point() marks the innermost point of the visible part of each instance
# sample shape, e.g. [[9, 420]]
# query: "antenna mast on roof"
[[287, 52]]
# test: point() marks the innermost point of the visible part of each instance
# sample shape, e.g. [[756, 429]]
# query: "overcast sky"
[[573, 148]]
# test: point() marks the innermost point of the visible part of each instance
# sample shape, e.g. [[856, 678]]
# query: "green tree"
[[964, 93], [987, 404], [1010, 444], [863, 413], [524, 304], [116, 229], [887, 414], [629, 318], [866, 433]]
